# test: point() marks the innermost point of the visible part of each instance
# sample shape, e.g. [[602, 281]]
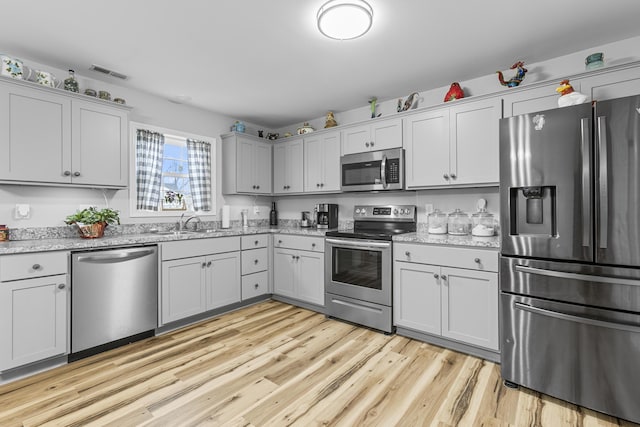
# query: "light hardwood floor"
[[273, 364]]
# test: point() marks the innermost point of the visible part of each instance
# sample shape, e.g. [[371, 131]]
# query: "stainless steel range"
[[358, 265]]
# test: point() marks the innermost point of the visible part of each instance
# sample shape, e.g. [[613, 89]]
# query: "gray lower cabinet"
[[197, 276], [255, 266], [447, 292], [298, 268], [34, 299]]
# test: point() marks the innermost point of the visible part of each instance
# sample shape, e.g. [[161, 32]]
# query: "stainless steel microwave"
[[373, 170]]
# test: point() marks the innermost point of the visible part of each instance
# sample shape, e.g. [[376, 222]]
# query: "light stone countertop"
[[72, 244], [492, 242]]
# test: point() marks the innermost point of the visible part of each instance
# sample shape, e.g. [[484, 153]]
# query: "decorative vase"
[[70, 83]]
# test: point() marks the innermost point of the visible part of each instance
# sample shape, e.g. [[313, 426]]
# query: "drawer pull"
[[256, 286], [61, 286], [255, 243], [36, 266], [313, 245], [453, 176], [209, 264], [279, 242], [407, 253], [255, 261]]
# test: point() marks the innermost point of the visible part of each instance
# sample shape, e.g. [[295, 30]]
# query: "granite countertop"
[[492, 242], [65, 244]]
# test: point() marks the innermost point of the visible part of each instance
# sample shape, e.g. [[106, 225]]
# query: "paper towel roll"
[[225, 216]]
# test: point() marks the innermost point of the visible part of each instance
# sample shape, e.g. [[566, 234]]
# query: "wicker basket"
[[91, 231]]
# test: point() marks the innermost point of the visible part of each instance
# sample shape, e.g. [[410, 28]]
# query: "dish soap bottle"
[[70, 83], [273, 215]]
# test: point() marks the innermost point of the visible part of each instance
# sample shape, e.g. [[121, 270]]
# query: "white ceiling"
[[266, 63]]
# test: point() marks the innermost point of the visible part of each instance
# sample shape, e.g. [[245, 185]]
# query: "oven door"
[[359, 269]]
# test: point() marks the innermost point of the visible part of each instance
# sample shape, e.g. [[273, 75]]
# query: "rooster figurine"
[[515, 80], [568, 96], [455, 92]]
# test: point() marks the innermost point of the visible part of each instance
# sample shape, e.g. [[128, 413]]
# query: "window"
[[171, 172]]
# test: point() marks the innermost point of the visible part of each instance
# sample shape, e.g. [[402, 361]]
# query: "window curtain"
[[149, 152], [199, 159]]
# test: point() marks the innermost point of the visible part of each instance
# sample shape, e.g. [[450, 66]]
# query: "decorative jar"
[[458, 223], [437, 222], [482, 223], [70, 83]]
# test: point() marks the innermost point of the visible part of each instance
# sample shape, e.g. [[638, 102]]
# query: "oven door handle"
[[575, 276], [577, 319], [359, 245]]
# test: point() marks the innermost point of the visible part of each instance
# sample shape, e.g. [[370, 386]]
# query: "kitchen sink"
[[183, 232]]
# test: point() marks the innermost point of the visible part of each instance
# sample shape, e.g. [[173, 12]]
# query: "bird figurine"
[[455, 92], [515, 80], [568, 96], [372, 102], [408, 104]]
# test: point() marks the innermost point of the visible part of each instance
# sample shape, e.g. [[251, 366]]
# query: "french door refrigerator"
[[570, 254]]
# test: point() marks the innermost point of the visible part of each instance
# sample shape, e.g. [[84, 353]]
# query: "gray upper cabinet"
[[287, 167], [246, 164], [377, 135], [59, 139], [528, 101], [322, 162]]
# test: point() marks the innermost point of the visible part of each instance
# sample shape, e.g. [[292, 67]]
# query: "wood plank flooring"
[[273, 364]]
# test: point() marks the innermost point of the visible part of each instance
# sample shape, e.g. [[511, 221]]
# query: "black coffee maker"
[[327, 215]]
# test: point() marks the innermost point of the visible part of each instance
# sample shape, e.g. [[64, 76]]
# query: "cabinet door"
[[356, 139], [245, 174], [386, 134], [35, 135], [416, 297], [223, 284], [99, 145], [284, 272], [427, 148], [280, 168], [183, 288], [33, 320], [475, 142], [532, 100], [616, 84], [470, 306], [310, 277], [262, 167], [330, 162], [295, 160], [313, 163]]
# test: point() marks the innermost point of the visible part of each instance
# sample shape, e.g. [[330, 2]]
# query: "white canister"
[[225, 216]]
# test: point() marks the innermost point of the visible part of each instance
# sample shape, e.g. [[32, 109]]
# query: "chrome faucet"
[[182, 223]]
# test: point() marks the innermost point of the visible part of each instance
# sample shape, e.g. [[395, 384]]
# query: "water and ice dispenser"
[[533, 211]]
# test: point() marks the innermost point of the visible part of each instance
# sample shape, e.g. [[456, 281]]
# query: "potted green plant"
[[91, 222]]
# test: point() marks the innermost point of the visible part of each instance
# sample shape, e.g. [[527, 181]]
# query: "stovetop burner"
[[379, 222]]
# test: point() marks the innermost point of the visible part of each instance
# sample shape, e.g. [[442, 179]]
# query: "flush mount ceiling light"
[[345, 19]]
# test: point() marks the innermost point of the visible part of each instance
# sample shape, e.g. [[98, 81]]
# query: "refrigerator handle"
[[585, 144], [603, 203]]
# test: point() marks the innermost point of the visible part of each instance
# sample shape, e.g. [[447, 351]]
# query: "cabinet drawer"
[[254, 241], [255, 284], [474, 259], [27, 266], [255, 260], [304, 243], [199, 247]]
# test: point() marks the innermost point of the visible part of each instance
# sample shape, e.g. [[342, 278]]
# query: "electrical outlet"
[[256, 210], [428, 207], [22, 211]]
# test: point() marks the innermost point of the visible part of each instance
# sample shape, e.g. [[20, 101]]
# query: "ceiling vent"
[[108, 72]]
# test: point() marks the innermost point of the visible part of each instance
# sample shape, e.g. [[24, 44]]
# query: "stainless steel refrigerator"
[[570, 254]]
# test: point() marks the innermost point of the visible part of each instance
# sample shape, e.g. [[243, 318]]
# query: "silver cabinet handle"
[[36, 266], [253, 186], [585, 151], [436, 276], [76, 173], [66, 173], [366, 144], [322, 184], [371, 144], [293, 257], [256, 242], [313, 245], [255, 261], [279, 242], [204, 265], [284, 187], [444, 277], [318, 185], [258, 187], [453, 176], [256, 286], [446, 176], [61, 286], [209, 264], [477, 261], [603, 221], [407, 254]]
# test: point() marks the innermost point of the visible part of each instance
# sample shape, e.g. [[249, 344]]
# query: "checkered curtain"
[[199, 158], [149, 152]]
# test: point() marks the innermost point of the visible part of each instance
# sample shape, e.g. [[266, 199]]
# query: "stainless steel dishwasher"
[[114, 298]]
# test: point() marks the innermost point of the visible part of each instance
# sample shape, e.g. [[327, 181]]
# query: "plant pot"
[[91, 231]]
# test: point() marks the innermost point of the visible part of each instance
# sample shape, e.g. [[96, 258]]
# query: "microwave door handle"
[[603, 220], [585, 144], [383, 171]]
